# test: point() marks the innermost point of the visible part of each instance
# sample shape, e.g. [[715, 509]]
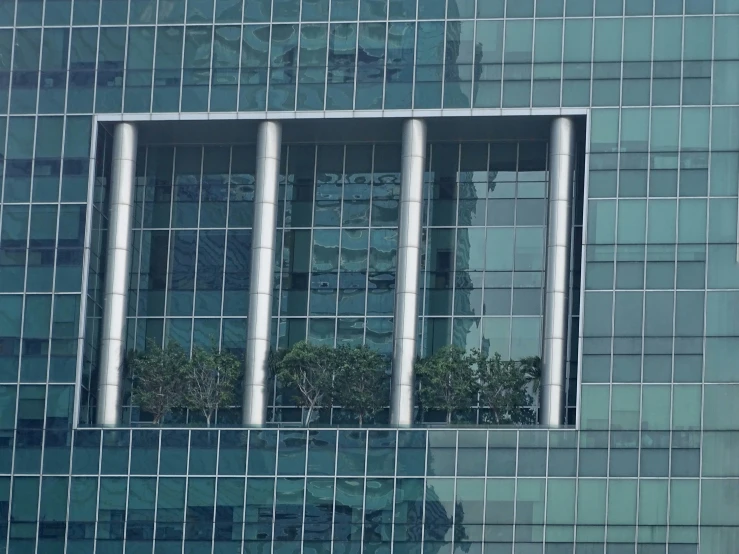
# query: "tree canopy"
[[309, 369], [503, 389], [446, 381], [355, 378], [361, 383], [165, 379], [211, 381], [159, 378]]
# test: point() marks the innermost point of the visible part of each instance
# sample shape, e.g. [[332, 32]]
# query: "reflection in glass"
[[336, 260], [342, 53]]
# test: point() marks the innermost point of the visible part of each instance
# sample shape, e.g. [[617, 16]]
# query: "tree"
[[211, 381], [503, 389], [447, 381], [159, 378], [310, 369], [360, 382], [274, 357]]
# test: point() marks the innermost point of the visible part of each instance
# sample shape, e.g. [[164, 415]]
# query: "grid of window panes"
[[192, 245], [485, 251], [363, 491], [484, 264], [228, 55], [270, 56], [338, 237], [660, 327], [339, 246], [42, 232], [191, 251], [336, 246], [99, 211], [336, 250]]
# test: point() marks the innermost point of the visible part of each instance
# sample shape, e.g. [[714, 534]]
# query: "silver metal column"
[[556, 310], [259, 322], [409, 262], [117, 275]]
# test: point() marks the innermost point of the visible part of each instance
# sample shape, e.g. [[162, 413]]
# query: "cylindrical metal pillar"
[[557, 309], [408, 274], [259, 322], [117, 275]]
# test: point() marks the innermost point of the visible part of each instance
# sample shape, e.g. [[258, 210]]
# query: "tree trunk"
[[309, 416], [208, 416], [448, 417], [361, 419]]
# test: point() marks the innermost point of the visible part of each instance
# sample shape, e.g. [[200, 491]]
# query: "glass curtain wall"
[[484, 263], [485, 252], [364, 491], [192, 247], [335, 263], [337, 249]]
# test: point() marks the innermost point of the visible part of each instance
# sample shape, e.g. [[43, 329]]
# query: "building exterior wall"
[[651, 466], [483, 249]]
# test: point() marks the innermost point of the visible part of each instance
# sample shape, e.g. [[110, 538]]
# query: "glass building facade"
[[212, 124]]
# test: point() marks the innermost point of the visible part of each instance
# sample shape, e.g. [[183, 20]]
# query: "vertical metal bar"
[[369, 244], [409, 267], [269, 144], [196, 256], [561, 168], [456, 231], [98, 479], [85, 333], [117, 274], [281, 209], [217, 481]]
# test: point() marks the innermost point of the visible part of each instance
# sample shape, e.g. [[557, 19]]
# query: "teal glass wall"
[[377, 490], [483, 285], [658, 390]]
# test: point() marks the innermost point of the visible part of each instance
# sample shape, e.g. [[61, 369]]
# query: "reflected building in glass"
[[547, 178]]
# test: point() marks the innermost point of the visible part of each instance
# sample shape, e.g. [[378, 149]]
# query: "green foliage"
[[211, 381], [504, 389], [165, 379], [360, 382], [447, 381], [310, 370], [353, 377], [451, 380], [273, 360], [159, 379], [531, 366]]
